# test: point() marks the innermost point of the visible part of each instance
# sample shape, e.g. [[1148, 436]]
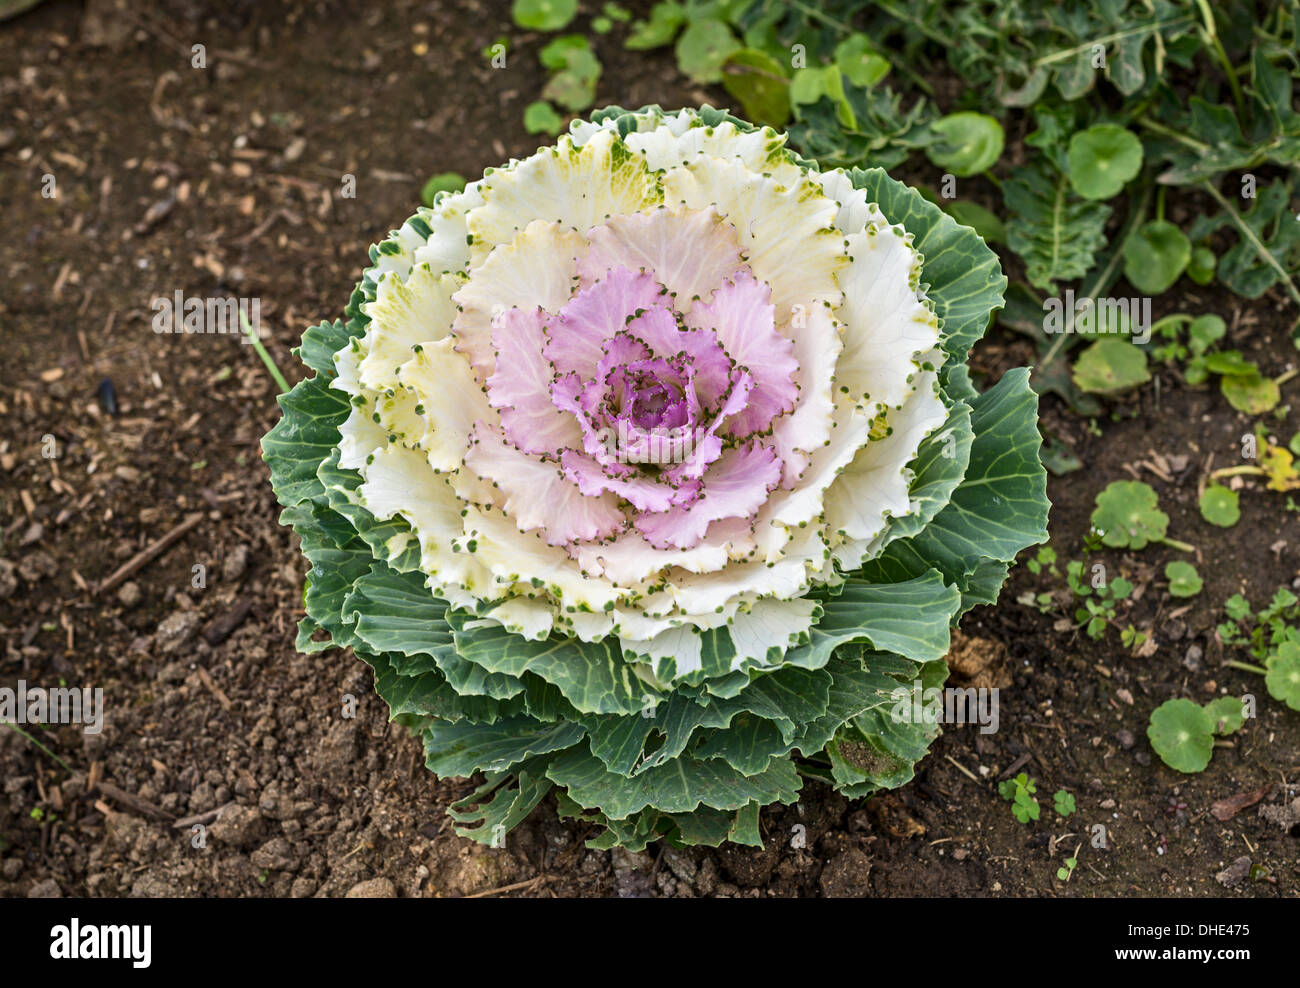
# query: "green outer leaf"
[[513, 797], [320, 343], [1000, 507], [965, 280], [876, 750], [857, 686], [460, 750], [784, 698], [394, 612], [339, 558], [591, 675], [429, 695], [305, 435], [910, 618], [678, 787], [619, 741], [940, 465]]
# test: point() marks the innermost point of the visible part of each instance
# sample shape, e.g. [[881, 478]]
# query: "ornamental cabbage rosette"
[[647, 468]]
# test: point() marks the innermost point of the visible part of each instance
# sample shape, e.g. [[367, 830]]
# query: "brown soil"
[[225, 180]]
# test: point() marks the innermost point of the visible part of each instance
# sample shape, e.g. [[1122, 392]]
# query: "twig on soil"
[[141, 806], [214, 689], [184, 823], [149, 553], [517, 886], [1016, 766], [963, 769]]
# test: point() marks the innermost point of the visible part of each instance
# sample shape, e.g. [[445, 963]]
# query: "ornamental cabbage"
[[646, 470]]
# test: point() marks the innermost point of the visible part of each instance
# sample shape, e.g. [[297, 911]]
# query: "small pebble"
[[128, 594]]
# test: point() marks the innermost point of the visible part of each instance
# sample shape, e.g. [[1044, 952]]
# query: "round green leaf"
[[445, 182], [702, 49], [758, 81], [1201, 266], [1102, 160], [1155, 256], [1182, 734], [1227, 714], [1283, 677], [1252, 392], [859, 61], [1183, 579], [540, 118], [1111, 367], [1127, 515], [1219, 506], [543, 15], [971, 143]]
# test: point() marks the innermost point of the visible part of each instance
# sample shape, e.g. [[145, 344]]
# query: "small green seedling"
[[1273, 637], [1070, 864], [1131, 638], [1045, 559], [1020, 791], [1063, 803], [1099, 604]]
